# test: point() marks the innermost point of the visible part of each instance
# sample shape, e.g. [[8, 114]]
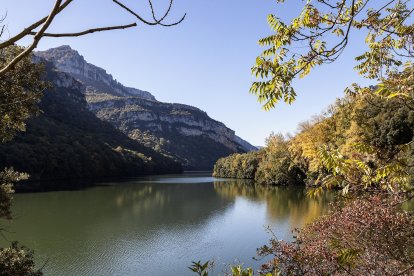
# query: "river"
[[157, 225]]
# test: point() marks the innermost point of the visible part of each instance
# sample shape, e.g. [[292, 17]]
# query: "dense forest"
[[67, 141], [359, 127]]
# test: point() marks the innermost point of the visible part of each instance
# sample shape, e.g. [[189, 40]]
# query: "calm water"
[[157, 225]]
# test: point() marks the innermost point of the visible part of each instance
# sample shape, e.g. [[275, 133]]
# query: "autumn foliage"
[[367, 236]]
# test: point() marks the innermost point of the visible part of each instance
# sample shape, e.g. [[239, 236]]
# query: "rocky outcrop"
[[71, 62], [184, 132], [130, 113]]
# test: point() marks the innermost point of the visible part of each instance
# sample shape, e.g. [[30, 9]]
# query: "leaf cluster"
[[20, 91], [354, 239], [321, 33]]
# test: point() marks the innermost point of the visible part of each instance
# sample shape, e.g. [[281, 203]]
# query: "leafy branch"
[[321, 33]]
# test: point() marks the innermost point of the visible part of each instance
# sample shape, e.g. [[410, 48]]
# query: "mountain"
[[183, 132], [68, 60], [67, 141]]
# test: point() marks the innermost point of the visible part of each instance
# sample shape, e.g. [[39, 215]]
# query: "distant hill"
[[66, 140], [185, 133]]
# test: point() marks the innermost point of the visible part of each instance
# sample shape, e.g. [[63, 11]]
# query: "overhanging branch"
[[89, 31], [155, 22], [27, 30], [36, 39], [45, 22]]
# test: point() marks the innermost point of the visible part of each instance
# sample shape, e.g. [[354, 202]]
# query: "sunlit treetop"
[[320, 34]]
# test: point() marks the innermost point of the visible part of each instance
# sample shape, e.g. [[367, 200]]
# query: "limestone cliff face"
[[69, 61], [184, 132], [131, 113]]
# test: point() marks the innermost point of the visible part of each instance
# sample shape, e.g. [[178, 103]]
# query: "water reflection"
[[281, 202], [156, 225]]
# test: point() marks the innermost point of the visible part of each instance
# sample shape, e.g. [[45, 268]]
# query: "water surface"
[[157, 225]]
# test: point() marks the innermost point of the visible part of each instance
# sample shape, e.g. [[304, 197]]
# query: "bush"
[[366, 236]]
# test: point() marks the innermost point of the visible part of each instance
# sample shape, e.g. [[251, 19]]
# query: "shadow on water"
[[85, 183]]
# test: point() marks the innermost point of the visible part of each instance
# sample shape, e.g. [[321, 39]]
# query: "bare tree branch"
[[3, 27], [134, 13], [155, 22], [27, 30], [89, 31], [36, 39], [165, 15], [58, 7]]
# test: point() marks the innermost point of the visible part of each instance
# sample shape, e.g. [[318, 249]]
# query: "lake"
[[157, 225]]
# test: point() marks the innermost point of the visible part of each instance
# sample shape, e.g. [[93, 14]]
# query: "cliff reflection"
[[282, 203]]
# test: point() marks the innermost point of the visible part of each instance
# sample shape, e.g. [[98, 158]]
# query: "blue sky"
[[204, 62]]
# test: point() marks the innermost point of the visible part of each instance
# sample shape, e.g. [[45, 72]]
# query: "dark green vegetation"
[[271, 165], [20, 90], [185, 133], [21, 87], [243, 166], [17, 260], [66, 141]]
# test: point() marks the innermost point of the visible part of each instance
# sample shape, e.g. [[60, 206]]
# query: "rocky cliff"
[[67, 141], [93, 77], [183, 132]]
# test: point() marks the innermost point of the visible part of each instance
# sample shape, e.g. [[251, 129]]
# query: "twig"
[[27, 30], [89, 31], [36, 39]]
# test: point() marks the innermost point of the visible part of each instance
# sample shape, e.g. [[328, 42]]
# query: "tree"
[[319, 36], [39, 29], [276, 166], [321, 33], [20, 90], [363, 147]]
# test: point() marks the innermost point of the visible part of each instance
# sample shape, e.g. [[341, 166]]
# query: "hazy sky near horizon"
[[205, 61]]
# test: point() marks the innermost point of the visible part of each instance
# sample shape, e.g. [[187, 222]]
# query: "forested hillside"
[[183, 132], [67, 141]]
